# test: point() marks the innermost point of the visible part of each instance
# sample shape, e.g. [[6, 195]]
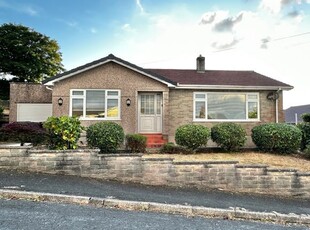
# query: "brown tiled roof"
[[178, 77], [218, 78]]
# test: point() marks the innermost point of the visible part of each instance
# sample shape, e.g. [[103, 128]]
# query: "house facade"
[[158, 101]]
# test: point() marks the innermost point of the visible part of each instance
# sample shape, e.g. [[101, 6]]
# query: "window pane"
[[200, 96], [252, 96], [226, 106], [95, 103], [200, 109], [77, 107], [252, 110], [112, 93], [113, 110], [78, 93]]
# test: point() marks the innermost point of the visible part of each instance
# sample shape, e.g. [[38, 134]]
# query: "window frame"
[[205, 100], [107, 97]]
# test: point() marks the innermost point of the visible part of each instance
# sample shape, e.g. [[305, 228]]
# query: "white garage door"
[[33, 112]]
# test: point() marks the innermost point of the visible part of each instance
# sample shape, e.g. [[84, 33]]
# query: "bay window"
[[95, 104], [226, 106]]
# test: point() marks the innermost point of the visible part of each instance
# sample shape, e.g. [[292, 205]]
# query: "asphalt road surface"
[[22, 214], [95, 188]]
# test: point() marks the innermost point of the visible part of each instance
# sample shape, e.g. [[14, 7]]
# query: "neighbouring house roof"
[[292, 112], [178, 78]]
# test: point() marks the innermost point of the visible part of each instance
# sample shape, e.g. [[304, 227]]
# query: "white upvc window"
[[95, 104], [226, 106]]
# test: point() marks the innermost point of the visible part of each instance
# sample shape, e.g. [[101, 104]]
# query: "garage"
[[38, 112]]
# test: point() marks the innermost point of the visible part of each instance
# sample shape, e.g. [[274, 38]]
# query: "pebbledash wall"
[[227, 175]]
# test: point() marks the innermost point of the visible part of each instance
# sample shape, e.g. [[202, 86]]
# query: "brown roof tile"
[[218, 77]]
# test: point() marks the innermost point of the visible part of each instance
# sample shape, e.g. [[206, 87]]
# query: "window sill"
[[99, 119], [226, 120]]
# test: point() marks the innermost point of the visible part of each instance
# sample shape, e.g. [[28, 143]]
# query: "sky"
[[271, 37]]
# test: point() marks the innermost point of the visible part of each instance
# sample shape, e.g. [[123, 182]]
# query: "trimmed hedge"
[[192, 136], [136, 143], [106, 135], [305, 129], [228, 136], [64, 132], [277, 137], [24, 132]]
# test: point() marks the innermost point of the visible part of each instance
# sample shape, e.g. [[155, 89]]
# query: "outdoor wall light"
[[60, 101], [128, 102]]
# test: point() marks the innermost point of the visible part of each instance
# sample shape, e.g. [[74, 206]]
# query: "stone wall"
[[227, 175]]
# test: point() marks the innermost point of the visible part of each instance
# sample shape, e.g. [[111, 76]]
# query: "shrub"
[[228, 136], [1, 112], [171, 148], [305, 129], [136, 143], [307, 151], [107, 136], [281, 138], [64, 132], [23, 132], [192, 136], [305, 117]]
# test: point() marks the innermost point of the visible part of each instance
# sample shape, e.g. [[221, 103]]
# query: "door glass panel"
[[158, 104], [147, 104]]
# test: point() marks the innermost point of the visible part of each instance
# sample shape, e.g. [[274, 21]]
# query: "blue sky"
[[271, 37]]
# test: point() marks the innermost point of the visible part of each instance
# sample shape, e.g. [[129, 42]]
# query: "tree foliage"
[[27, 54]]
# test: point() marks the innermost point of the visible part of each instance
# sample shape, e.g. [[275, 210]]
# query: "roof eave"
[[233, 87], [51, 83]]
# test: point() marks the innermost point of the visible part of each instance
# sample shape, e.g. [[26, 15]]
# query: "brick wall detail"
[[227, 175]]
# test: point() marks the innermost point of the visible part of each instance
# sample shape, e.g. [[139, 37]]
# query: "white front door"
[[150, 113]]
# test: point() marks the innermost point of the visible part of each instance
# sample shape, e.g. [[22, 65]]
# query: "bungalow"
[[151, 101]]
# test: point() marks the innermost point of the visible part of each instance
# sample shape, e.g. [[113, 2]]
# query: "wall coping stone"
[[303, 174], [221, 162], [157, 159], [120, 154], [15, 147], [63, 151], [281, 170], [252, 166]]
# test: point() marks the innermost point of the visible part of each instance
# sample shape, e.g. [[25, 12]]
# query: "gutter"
[[232, 87]]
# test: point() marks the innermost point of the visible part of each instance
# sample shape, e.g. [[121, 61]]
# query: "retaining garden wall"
[[227, 175]]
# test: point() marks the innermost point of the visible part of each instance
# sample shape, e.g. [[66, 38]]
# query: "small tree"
[[64, 132]]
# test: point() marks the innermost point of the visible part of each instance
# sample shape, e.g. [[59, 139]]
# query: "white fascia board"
[[232, 87], [50, 83]]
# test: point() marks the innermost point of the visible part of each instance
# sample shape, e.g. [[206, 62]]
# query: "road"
[[61, 184], [21, 214]]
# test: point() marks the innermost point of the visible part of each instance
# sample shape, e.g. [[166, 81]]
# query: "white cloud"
[[127, 28], [138, 3], [275, 6], [29, 10]]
